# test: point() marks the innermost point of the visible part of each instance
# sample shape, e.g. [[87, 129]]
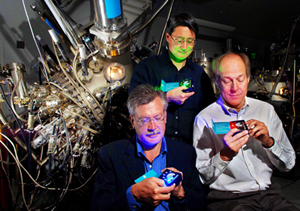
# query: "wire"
[[87, 128], [84, 182], [69, 146], [15, 157], [151, 18], [7, 177], [35, 42], [164, 30], [87, 90], [32, 106], [18, 165], [15, 114], [12, 97], [52, 179], [16, 119], [72, 99], [75, 86]]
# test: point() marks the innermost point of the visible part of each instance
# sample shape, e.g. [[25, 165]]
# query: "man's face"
[[233, 82], [180, 51], [150, 133]]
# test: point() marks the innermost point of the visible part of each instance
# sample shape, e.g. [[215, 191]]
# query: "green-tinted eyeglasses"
[[180, 40]]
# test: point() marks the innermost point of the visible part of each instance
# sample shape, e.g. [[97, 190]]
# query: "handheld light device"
[[187, 83], [171, 177]]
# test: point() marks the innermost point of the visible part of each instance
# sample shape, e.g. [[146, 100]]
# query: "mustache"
[[153, 133]]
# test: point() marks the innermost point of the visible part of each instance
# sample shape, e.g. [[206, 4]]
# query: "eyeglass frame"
[[159, 121], [184, 40]]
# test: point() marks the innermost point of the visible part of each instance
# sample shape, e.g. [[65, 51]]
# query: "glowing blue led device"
[[171, 177]]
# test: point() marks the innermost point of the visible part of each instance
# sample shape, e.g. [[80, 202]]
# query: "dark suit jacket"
[[119, 166]]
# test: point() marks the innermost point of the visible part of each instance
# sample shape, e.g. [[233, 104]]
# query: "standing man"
[[238, 165], [174, 66], [122, 162]]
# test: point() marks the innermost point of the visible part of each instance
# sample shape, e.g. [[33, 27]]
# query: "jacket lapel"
[[172, 158], [133, 163]]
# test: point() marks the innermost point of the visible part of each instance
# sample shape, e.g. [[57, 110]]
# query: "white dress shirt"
[[251, 169]]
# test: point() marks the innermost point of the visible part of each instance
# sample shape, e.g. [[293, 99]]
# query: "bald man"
[[238, 164]]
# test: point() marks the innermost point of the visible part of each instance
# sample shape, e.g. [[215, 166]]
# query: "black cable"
[[32, 105], [68, 143], [53, 130], [52, 179], [79, 173]]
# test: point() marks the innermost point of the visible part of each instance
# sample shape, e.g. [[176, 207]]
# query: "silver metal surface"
[[63, 23], [16, 70]]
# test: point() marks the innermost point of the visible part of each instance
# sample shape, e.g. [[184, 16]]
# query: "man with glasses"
[[174, 66], [123, 181]]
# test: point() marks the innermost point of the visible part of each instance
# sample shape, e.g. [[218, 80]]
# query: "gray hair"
[[144, 94], [217, 63]]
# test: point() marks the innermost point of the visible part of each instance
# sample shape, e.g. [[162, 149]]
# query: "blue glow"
[[113, 8]]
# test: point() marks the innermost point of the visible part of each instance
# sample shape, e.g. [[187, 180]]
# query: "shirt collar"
[[140, 151], [231, 111], [166, 59], [189, 63]]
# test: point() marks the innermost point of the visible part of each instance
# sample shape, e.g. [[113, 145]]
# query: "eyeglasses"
[[146, 121], [180, 40]]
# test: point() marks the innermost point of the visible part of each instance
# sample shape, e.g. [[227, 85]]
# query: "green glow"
[[213, 66], [178, 56], [157, 88]]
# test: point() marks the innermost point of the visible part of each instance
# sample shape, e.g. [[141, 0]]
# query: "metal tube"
[[109, 15], [16, 71], [63, 23], [16, 138]]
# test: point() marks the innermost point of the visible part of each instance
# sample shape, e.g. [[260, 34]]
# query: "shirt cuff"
[[272, 144], [133, 205], [179, 201], [219, 163], [275, 148]]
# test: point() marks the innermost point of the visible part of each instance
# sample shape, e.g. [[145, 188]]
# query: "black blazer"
[[119, 166]]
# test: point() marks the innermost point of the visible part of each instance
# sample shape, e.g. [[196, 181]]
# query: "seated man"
[[122, 162], [238, 165]]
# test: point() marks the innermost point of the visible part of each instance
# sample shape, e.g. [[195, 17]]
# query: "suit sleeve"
[[106, 196], [195, 195]]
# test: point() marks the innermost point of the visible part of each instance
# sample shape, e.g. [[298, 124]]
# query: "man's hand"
[[178, 191], [151, 191], [260, 131], [233, 143], [177, 96]]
